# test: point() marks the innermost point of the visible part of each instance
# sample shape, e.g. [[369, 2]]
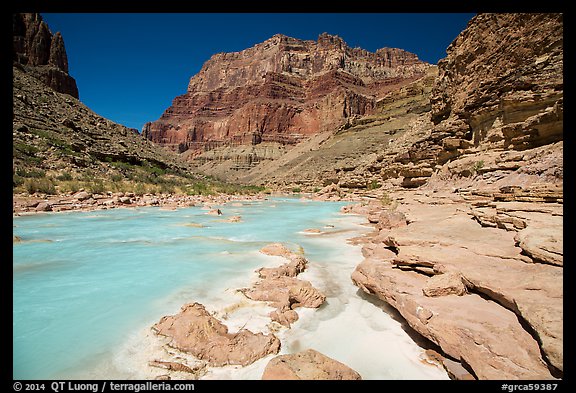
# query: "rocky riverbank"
[[87, 201], [477, 273]]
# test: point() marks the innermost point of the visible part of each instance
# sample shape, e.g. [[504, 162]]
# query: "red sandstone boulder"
[[195, 331]]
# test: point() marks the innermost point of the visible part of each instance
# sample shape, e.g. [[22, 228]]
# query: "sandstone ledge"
[[471, 289]]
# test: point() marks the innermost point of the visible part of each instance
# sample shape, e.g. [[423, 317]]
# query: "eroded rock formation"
[[41, 53], [53, 132], [195, 331], [280, 91], [492, 115], [486, 295], [279, 287], [499, 88]]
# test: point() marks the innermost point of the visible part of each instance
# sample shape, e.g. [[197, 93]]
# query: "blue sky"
[[129, 67]]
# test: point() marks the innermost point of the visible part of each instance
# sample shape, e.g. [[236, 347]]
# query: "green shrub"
[[64, 176], [71, 186], [25, 148], [167, 188], [140, 189], [44, 186], [373, 185], [477, 166], [96, 187], [199, 188], [296, 190], [17, 180], [32, 173]]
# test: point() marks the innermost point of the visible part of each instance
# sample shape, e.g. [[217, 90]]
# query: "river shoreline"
[[23, 204]]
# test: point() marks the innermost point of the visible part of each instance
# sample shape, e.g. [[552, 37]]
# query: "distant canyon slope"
[[283, 90]]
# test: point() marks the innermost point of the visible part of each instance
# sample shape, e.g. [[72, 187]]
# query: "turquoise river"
[[87, 286]]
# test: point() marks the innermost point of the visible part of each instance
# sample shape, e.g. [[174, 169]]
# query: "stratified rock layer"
[[471, 288], [492, 116], [282, 91], [500, 87]]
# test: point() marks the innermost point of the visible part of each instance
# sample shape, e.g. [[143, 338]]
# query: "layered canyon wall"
[[500, 88], [283, 91]]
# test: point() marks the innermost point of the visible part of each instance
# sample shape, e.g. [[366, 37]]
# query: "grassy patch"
[[30, 173], [386, 200], [64, 176], [97, 187], [44, 186]]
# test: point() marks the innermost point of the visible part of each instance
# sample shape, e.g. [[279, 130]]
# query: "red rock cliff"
[[41, 53], [281, 90]]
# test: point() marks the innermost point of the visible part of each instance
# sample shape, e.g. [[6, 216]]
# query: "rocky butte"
[[282, 90], [42, 53]]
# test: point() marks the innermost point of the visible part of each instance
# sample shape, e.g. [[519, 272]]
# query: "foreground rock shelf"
[[478, 292]]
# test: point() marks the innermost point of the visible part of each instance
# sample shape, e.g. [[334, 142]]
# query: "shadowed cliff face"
[[283, 90], [41, 53]]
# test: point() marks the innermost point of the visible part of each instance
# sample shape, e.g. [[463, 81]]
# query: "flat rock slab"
[[544, 244], [442, 241], [481, 333], [195, 331], [308, 365]]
